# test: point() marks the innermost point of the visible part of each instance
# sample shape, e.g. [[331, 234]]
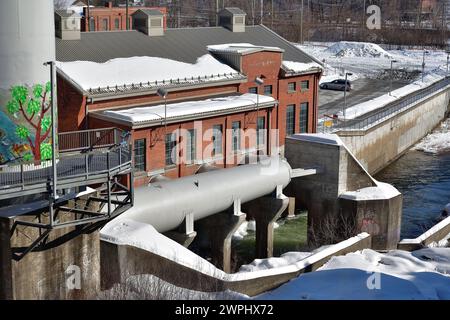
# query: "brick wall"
[[113, 13]]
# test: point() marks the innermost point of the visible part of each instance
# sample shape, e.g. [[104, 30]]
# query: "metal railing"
[[391, 109], [83, 155]]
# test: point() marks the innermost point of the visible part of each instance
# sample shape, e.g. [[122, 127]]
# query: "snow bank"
[[367, 274], [136, 70], [380, 192], [153, 113], [436, 142], [271, 263], [144, 236], [380, 102], [298, 67]]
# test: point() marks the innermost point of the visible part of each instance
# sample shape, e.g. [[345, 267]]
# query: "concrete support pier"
[[342, 199], [216, 231], [266, 211]]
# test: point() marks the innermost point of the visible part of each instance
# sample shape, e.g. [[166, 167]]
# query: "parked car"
[[338, 84]]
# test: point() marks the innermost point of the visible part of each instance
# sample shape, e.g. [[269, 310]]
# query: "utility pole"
[[301, 25], [262, 11], [271, 15], [127, 15], [88, 15], [217, 13], [253, 12]]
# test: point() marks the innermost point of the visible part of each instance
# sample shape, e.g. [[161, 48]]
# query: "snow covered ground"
[[436, 142], [370, 60], [367, 274]]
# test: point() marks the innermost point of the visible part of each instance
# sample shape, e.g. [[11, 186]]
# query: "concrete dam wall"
[[383, 143]]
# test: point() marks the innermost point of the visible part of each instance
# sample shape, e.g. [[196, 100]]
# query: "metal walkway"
[[99, 157]]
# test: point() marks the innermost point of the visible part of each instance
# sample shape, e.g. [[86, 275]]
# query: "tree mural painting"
[[32, 105]]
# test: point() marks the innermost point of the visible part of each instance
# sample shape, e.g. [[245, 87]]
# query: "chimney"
[[67, 25], [149, 21], [232, 19], [109, 4]]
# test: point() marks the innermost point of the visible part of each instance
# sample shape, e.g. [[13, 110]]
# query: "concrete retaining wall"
[[437, 233], [379, 146], [118, 262]]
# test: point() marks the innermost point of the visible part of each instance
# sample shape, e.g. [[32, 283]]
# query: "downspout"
[[224, 133], [269, 115]]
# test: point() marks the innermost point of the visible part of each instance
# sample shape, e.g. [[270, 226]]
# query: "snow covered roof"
[[322, 138], [125, 74], [292, 67], [154, 115], [241, 48]]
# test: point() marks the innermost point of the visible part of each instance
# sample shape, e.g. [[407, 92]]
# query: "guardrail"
[[83, 154], [391, 109]]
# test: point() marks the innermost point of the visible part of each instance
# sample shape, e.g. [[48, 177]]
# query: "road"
[[331, 102]]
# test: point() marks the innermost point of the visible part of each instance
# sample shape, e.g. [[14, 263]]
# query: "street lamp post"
[[163, 94], [448, 58], [423, 64], [345, 93], [390, 82]]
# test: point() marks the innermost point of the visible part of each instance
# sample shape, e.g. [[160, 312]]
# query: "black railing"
[[83, 155], [398, 106]]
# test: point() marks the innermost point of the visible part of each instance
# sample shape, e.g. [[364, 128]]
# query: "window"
[[139, 154], [171, 144], [292, 87], [105, 24], [260, 132], [236, 127], [304, 117], [304, 85], [217, 139], [268, 90], [91, 24], [253, 90], [290, 119], [190, 146], [117, 24]]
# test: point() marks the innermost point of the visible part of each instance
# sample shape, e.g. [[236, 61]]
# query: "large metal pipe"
[[165, 204]]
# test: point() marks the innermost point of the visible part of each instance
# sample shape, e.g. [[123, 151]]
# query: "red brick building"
[[209, 74], [111, 18]]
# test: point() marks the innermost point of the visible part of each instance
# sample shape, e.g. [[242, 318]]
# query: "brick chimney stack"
[[109, 4]]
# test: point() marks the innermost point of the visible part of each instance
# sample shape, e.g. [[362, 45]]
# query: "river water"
[[423, 177]]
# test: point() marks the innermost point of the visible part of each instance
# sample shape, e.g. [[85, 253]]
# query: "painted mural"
[[25, 124]]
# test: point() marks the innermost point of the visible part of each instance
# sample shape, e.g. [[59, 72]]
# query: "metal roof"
[[234, 10], [150, 12], [66, 13], [185, 44]]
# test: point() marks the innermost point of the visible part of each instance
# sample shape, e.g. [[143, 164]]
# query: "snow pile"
[[136, 70], [298, 67], [367, 274], [381, 191], [286, 259], [438, 141], [154, 113], [357, 49], [144, 236], [380, 102], [247, 226]]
